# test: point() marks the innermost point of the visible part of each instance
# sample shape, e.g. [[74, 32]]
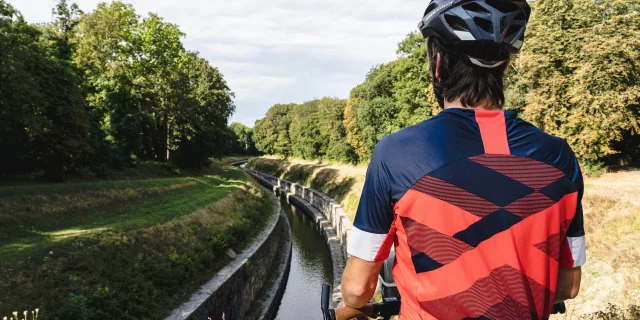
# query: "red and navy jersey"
[[482, 208]]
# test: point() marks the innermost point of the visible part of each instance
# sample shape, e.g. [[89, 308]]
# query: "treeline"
[[577, 77], [312, 130], [104, 89]]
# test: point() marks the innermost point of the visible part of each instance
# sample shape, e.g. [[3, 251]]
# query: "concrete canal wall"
[[327, 214], [254, 279]]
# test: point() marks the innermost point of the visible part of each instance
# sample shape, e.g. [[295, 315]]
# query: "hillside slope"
[[122, 249]]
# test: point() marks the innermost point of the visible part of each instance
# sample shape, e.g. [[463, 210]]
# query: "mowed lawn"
[[612, 223], [38, 217]]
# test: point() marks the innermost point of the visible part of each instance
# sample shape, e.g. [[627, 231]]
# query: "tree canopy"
[[105, 88], [577, 77]]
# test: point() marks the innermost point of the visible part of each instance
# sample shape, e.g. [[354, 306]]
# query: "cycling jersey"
[[482, 209]]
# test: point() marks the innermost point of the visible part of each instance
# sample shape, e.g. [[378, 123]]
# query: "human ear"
[[506, 65]]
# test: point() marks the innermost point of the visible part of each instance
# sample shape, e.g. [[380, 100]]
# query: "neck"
[[483, 105]]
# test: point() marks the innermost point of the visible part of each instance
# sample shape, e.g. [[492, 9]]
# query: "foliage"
[[140, 79], [105, 88], [580, 72], [243, 142], [394, 95], [577, 77], [312, 130], [272, 132], [44, 125], [614, 312], [593, 169]]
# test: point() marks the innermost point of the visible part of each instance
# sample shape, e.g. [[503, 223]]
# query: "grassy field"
[[612, 222], [122, 249]]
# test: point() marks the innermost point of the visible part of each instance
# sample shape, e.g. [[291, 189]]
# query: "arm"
[[568, 284], [359, 281], [573, 252], [372, 235]]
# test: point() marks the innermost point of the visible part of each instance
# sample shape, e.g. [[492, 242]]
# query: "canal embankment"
[[327, 215], [252, 283]]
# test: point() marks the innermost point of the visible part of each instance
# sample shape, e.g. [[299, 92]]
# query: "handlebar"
[[385, 309]]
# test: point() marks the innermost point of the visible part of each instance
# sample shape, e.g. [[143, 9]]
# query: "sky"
[[278, 51]]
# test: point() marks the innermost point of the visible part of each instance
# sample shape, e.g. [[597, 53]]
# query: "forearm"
[[359, 282], [357, 297], [568, 285]]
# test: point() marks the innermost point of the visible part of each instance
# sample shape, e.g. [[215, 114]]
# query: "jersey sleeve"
[[373, 233], [573, 254]]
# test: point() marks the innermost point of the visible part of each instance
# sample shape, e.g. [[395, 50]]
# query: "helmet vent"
[[484, 24], [521, 16], [503, 6], [456, 23], [513, 30], [430, 8], [475, 7]]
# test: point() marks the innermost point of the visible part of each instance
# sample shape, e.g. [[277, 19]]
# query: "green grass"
[[123, 249], [338, 182], [38, 217]]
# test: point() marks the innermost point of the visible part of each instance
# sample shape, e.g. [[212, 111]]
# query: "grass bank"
[[121, 249], [611, 277], [343, 183]]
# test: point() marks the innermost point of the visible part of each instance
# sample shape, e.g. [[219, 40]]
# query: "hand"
[[342, 309]]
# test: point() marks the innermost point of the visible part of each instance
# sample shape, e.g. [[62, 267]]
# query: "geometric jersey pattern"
[[486, 299], [482, 209], [501, 191]]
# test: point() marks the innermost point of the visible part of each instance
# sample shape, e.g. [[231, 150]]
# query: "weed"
[[614, 312]]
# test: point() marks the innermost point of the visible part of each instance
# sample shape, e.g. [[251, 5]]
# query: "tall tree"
[[44, 122], [580, 66], [242, 139], [200, 130]]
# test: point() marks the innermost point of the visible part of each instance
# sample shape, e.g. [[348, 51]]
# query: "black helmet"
[[485, 31]]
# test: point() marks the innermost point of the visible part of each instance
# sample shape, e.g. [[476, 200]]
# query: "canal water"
[[310, 268]]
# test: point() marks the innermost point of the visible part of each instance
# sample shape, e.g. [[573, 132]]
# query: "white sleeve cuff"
[[364, 245], [578, 248]]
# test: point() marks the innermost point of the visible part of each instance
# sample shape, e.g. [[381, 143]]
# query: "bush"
[[614, 312], [593, 169]]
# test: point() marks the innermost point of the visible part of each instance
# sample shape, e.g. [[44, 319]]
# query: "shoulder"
[[527, 140], [419, 136]]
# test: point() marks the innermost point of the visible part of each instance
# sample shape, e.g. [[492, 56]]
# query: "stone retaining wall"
[[229, 294], [327, 214]]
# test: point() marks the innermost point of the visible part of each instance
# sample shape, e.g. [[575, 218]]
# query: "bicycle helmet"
[[484, 31]]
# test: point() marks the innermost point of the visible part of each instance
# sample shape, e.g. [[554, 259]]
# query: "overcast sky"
[[279, 51]]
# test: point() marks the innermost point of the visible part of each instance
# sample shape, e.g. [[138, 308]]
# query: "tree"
[[581, 73], [272, 133], [242, 139], [304, 131], [44, 123], [393, 96], [200, 130]]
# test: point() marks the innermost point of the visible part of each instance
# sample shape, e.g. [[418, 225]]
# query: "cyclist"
[[483, 208]]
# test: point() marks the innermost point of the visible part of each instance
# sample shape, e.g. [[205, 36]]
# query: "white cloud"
[[279, 51]]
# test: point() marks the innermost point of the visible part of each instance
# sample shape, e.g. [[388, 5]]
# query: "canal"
[[310, 268]]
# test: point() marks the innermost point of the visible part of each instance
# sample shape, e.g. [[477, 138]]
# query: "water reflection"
[[310, 267]]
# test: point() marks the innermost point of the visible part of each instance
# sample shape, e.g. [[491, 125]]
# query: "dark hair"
[[460, 79]]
